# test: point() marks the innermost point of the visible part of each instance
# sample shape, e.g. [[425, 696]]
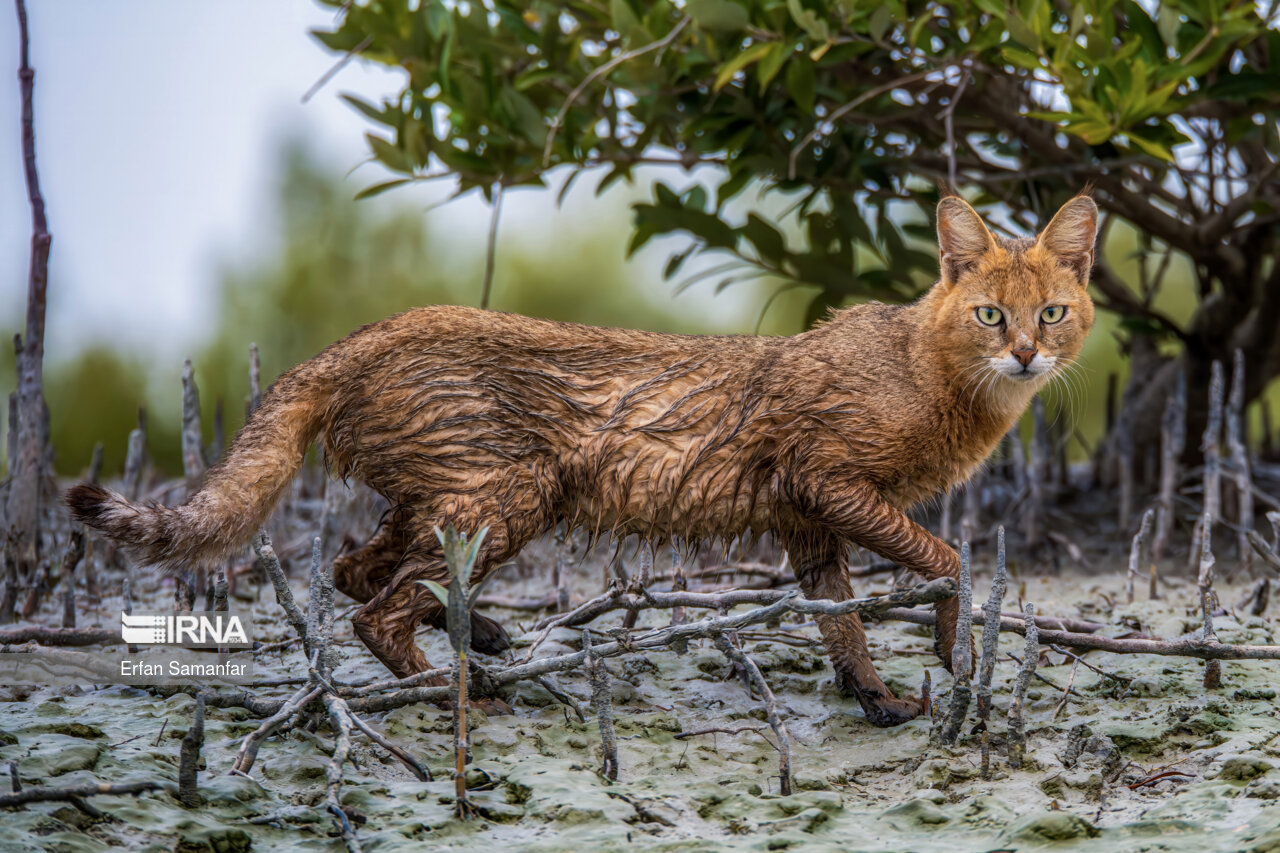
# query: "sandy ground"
[[535, 775]]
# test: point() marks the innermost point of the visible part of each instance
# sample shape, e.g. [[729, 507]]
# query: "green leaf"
[[1153, 149], [734, 184], [1168, 21], [370, 111], [438, 591], [1020, 31], [676, 261], [624, 18], [379, 189], [772, 62], [388, 154], [752, 54], [801, 82], [718, 15], [767, 239], [880, 20], [808, 20]]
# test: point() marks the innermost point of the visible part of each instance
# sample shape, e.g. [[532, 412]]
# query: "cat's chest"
[[945, 455]]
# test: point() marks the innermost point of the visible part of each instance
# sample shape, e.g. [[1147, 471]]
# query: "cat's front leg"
[[858, 512], [818, 559]]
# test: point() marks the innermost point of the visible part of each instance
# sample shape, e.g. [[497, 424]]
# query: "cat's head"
[[1012, 311]]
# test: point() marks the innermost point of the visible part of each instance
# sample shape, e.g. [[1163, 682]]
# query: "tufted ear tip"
[[963, 238], [1071, 234]]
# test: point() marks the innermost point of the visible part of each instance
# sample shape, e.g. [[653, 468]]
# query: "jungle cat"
[[484, 419]]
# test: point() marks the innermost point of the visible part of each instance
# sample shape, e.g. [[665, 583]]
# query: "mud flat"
[[1147, 760]]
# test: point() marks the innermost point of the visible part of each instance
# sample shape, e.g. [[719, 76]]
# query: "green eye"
[[989, 316], [1053, 313]]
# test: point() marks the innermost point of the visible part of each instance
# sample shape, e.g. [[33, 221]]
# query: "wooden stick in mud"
[[961, 655], [416, 767], [618, 598], [1037, 475], [678, 583], [269, 563], [944, 516], [564, 552], [639, 582], [1189, 647], [320, 608], [333, 776], [193, 463], [926, 593], [1239, 454], [71, 793], [1124, 473], [990, 649], [67, 576], [1212, 668], [745, 661], [1254, 601], [1212, 464], [248, 751], [126, 601], [59, 636], [134, 458], [601, 700], [1135, 554], [1017, 731], [1262, 549], [972, 511], [189, 757]]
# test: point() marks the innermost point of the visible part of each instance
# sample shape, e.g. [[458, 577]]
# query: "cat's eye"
[[1053, 313], [989, 316]]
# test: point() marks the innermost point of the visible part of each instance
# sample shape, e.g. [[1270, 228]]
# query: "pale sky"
[[158, 125]]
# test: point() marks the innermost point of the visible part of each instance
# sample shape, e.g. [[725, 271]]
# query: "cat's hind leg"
[[364, 573]]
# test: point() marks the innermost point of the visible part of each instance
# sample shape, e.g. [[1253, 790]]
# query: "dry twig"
[[1017, 732], [748, 665], [961, 656]]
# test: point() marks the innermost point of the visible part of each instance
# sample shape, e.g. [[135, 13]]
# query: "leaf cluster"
[[848, 111]]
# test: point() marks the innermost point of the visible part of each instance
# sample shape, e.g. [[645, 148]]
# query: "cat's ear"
[[962, 237], [1071, 234]]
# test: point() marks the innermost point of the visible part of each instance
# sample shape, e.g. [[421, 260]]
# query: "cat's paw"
[[886, 712], [487, 636]]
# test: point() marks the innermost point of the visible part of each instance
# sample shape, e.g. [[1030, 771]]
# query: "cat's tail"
[[237, 495]]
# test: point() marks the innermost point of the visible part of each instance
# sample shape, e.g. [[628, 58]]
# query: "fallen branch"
[[59, 636], [927, 593], [71, 793], [1191, 647], [744, 660]]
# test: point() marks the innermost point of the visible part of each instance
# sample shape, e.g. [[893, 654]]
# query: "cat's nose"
[[1023, 356]]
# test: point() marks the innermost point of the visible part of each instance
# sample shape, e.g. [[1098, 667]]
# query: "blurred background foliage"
[[848, 113], [781, 154]]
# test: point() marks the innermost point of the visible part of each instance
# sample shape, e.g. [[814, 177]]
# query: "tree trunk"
[[26, 474]]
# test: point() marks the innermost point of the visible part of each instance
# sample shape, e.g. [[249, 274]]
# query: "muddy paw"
[[488, 637], [885, 712]]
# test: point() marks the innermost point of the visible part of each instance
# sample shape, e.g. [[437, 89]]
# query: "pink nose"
[[1023, 356]]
